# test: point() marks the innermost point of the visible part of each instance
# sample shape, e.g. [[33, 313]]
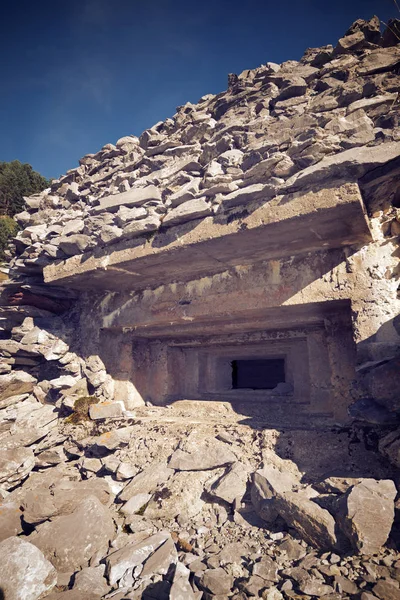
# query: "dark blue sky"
[[77, 74]]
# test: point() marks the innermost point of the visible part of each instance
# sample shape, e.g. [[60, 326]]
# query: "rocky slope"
[[98, 502]]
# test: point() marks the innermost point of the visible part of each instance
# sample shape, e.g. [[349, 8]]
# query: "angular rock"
[[267, 569], [232, 484], [207, 456], [350, 43], [135, 504], [16, 383], [350, 164], [387, 589], [314, 524], [133, 197], [74, 244], [70, 541], [25, 572], [217, 581], [159, 563], [91, 580], [268, 484], [366, 514], [15, 465], [181, 588], [187, 211], [106, 410], [121, 564], [315, 587], [147, 481], [137, 228], [379, 61], [181, 496], [10, 520], [62, 498]]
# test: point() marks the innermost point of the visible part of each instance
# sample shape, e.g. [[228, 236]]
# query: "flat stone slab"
[[305, 221]]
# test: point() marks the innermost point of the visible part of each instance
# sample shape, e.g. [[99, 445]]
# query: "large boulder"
[[209, 455], [70, 541], [232, 484], [268, 484], [313, 523], [366, 513], [15, 383], [25, 573], [62, 498]]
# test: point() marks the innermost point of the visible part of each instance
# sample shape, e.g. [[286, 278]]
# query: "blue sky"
[[77, 74]]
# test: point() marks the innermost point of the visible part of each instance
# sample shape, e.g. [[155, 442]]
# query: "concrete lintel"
[[308, 315], [284, 226]]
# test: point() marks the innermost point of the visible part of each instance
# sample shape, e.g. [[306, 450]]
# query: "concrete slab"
[[284, 226]]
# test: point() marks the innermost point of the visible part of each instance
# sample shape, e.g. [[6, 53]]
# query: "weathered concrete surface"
[[328, 218]]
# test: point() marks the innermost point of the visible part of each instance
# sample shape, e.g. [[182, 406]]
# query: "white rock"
[[25, 573]]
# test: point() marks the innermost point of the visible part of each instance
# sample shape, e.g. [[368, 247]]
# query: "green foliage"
[[81, 409], [18, 180], [8, 229]]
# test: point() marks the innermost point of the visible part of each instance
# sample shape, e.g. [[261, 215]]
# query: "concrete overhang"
[[284, 226], [312, 314]]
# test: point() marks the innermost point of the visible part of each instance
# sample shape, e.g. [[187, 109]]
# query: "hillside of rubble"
[[101, 500]]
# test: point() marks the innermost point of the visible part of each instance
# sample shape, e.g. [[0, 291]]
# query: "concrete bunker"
[[302, 358]]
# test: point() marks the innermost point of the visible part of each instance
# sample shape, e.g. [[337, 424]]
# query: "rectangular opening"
[[258, 374]]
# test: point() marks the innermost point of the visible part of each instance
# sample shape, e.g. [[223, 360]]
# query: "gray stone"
[[16, 383], [147, 481], [366, 514], [379, 61], [269, 483], [135, 504], [125, 214], [141, 227], [387, 589], [159, 563], [313, 523], [75, 244], [62, 498], [350, 165], [106, 410], [193, 209], [350, 43], [70, 541], [232, 484], [25, 573], [187, 192], [91, 580], [292, 549], [133, 197], [207, 456], [217, 581], [181, 588], [181, 497], [295, 87], [121, 564], [15, 465], [10, 519], [315, 587], [266, 568]]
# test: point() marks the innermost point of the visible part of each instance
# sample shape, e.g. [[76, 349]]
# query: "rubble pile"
[[132, 508], [101, 499]]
